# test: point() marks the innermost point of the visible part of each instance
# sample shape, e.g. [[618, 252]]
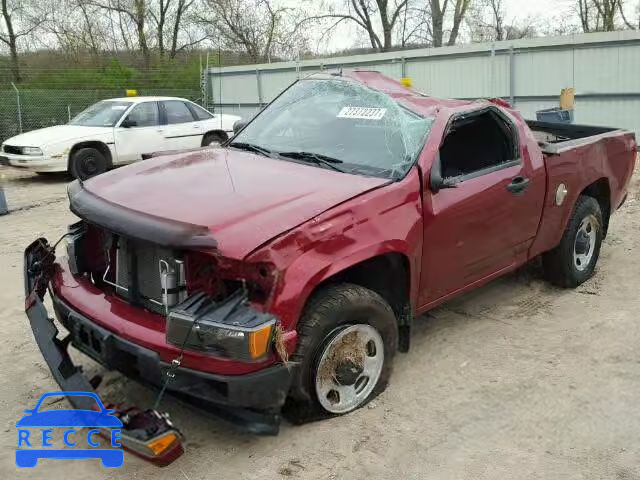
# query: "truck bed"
[[554, 138]]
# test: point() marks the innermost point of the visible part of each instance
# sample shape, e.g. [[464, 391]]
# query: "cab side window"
[[477, 142], [144, 115]]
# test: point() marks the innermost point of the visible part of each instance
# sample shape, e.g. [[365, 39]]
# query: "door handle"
[[518, 185]]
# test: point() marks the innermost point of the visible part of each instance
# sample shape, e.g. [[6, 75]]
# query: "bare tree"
[[627, 23], [438, 14], [366, 14], [602, 15], [415, 26], [255, 27], [135, 11], [460, 10], [487, 21], [18, 22], [76, 26], [178, 20], [173, 12]]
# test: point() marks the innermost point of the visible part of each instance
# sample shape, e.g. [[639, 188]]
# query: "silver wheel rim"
[[585, 242], [349, 368], [214, 141]]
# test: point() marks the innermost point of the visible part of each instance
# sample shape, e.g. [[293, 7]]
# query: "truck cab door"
[[482, 205], [139, 132]]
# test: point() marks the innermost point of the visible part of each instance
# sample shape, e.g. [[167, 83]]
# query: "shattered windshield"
[[101, 114], [338, 124]]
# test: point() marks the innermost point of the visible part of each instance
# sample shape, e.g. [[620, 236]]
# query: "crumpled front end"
[[189, 322], [146, 433]]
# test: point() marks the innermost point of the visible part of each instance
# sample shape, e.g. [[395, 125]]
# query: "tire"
[[213, 138], [86, 163], [565, 265], [337, 317]]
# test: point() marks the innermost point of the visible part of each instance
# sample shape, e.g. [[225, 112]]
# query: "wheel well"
[[221, 133], [600, 191], [388, 276], [100, 146]]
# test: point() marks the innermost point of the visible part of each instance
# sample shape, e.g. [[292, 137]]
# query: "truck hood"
[[49, 135], [244, 200]]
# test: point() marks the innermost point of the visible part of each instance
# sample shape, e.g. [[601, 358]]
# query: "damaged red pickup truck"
[[284, 268]]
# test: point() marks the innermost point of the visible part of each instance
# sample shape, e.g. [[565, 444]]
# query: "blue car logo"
[[72, 419]]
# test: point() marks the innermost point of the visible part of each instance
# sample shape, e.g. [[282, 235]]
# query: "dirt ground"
[[516, 380]]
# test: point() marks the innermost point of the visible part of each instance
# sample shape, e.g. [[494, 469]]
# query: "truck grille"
[[139, 268]]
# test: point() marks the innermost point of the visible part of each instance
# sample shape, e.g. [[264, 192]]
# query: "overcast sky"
[[545, 11], [543, 8]]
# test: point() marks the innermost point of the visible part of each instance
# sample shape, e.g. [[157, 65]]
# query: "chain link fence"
[[53, 88], [22, 110]]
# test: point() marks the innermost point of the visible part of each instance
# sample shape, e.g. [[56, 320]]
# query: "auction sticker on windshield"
[[363, 113]]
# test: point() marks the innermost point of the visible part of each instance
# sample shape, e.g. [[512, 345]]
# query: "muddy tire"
[[348, 336], [214, 138], [87, 162], [574, 260]]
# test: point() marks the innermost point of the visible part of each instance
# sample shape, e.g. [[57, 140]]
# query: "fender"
[[386, 220], [312, 268]]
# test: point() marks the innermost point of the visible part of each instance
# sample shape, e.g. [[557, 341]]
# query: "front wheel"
[[348, 338], [87, 162], [574, 260]]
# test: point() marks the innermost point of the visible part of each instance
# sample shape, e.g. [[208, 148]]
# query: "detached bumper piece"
[[148, 434]]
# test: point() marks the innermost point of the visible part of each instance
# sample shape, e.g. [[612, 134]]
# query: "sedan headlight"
[[31, 151], [230, 328]]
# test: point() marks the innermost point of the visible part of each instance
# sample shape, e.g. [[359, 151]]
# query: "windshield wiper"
[[316, 158], [253, 148]]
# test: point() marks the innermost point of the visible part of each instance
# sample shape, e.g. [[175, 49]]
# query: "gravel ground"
[[515, 380]]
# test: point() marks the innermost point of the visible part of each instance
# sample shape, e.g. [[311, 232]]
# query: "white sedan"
[[115, 132]]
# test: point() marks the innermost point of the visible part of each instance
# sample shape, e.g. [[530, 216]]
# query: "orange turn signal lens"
[[259, 341], [161, 444]]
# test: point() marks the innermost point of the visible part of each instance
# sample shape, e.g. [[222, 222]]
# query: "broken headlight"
[[230, 328]]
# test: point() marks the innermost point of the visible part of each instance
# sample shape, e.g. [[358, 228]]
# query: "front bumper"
[[264, 389], [251, 401], [36, 163]]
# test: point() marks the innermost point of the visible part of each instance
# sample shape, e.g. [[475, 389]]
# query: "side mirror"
[[128, 123], [436, 182], [239, 125]]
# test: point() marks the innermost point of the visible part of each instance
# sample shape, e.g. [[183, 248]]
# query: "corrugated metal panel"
[[604, 68], [274, 82], [235, 89], [543, 73], [609, 113], [451, 78], [608, 70]]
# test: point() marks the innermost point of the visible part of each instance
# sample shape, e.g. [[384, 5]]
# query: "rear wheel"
[[348, 338], [213, 139], [574, 260], [87, 162]]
